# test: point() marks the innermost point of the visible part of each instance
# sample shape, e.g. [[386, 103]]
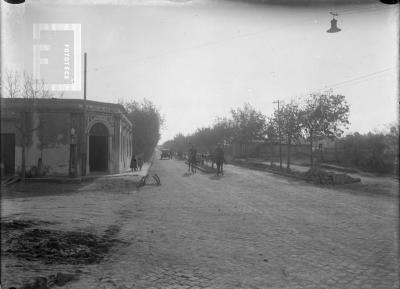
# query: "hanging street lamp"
[[334, 27]]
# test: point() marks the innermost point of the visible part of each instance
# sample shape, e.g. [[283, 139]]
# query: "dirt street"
[[247, 229]]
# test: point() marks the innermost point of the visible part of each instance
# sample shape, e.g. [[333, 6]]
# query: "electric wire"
[[362, 77], [232, 38], [361, 10], [352, 81], [356, 80]]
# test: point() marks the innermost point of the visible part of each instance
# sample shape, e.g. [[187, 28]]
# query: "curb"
[[294, 176], [77, 180], [266, 169], [203, 170], [59, 180]]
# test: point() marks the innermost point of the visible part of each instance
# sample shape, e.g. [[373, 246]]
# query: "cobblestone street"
[[247, 229]]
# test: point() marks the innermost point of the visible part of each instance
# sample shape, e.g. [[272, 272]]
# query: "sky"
[[196, 60]]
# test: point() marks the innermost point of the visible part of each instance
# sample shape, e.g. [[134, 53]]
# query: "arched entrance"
[[98, 148]]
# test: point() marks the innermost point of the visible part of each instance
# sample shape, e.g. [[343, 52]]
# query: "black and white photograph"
[[199, 144]]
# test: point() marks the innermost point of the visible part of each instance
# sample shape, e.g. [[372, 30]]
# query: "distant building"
[[57, 137]]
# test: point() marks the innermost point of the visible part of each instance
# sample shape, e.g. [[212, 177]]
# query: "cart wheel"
[[157, 179]]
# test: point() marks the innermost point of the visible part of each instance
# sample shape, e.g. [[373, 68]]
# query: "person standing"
[[219, 159], [140, 163], [133, 163]]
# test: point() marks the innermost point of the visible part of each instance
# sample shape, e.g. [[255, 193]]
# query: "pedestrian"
[[133, 163], [219, 159], [140, 163]]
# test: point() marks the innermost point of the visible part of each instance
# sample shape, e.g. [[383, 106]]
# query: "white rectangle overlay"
[[39, 46]]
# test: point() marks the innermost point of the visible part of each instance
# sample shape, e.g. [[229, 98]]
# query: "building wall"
[[50, 134], [124, 141], [116, 144], [120, 132], [9, 126], [52, 141], [48, 140]]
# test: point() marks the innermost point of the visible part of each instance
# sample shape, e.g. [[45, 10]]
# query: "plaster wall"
[[49, 141]]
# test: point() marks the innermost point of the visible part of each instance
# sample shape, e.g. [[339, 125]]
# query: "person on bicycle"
[[192, 154]]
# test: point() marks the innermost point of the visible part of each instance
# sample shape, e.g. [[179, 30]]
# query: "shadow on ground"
[[40, 189], [215, 177]]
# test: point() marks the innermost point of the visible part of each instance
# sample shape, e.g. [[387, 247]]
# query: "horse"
[[220, 166], [192, 162]]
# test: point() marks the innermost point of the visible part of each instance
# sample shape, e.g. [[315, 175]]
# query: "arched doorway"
[[98, 148]]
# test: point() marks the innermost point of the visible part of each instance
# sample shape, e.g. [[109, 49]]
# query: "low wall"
[[364, 159]]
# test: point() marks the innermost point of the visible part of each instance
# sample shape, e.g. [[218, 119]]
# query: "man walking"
[[133, 163]]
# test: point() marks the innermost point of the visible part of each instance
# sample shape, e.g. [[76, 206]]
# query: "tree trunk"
[[336, 153], [311, 151], [271, 145], [24, 136], [280, 153], [288, 153], [23, 165]]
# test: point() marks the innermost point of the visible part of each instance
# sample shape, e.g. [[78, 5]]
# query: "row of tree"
[[316, 116], [147, 122]]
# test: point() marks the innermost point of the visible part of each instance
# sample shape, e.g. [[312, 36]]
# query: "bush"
[[369, 152]]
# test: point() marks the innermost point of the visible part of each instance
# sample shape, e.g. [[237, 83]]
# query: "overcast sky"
[[198, 59]]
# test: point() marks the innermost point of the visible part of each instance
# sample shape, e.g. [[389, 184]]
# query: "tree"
[[393, 137], [207, 138], [374, 151], [29, 88], [147, 122], [13, 84], [248, 125], [203, 138], [272, 133], [324, 115], [223, 130], [178, 144], [291, 125], [34, 88]]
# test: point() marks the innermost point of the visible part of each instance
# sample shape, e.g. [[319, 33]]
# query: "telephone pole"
[[84, 154], [279, 134]]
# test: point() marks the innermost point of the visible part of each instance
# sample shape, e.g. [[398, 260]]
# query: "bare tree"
[[13, 84], [29, 88], [34, 88]]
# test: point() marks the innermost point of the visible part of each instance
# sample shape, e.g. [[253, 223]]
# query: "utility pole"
[[84, 154], [279, 134]]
